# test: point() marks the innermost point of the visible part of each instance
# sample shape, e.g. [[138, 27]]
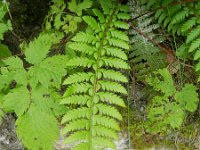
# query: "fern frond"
[[180, 16], [80, 61], [143, 52], [104, 132], [181, 20], [82, 146], [74, 114], [99, 15], [162, 17], [121, 24], [188, 24], [113, 75], [117, 52], [104, 142], [75, 125], [115, 62], [84, 37], [111, 98], [78, 88], [109, 111], [92, 23], [78, 78], [193, 34], [107, 122], [79, 135], [119, 34], [112, 86], [106, 5], [75, 100], [101, 53], [194, 45], [118, 43], [123, 16], [124, 8], [82, 47], [196, 57]]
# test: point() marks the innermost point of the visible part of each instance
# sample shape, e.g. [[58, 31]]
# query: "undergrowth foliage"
[[170, 107], [32, 96], [83, 90], [92, 123], [57, 19], [181, 19]]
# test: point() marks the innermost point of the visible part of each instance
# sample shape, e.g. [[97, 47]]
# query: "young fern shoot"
[[92, 123]]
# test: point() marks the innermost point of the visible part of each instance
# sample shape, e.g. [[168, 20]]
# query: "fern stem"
[[11, 18], [148, 38], [95, 87]]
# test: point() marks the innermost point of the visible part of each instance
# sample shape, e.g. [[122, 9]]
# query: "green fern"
[[181, 19], [91, 124], [33, 99], [143, 52], [170, 107]]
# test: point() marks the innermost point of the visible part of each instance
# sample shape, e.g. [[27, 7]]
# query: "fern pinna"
[[91, 124]]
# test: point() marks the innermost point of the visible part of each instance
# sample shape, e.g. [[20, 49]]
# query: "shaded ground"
[[8, 138]]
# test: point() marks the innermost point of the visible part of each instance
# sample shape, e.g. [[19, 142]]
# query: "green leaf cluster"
[[66, 17], [169, 108], [31, 97]]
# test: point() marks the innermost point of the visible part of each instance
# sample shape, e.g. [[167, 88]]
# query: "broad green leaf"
[[18, 100], [176, 116], [37, 50], [4, 51], [37, 129], [49, 72], [188, 97]]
